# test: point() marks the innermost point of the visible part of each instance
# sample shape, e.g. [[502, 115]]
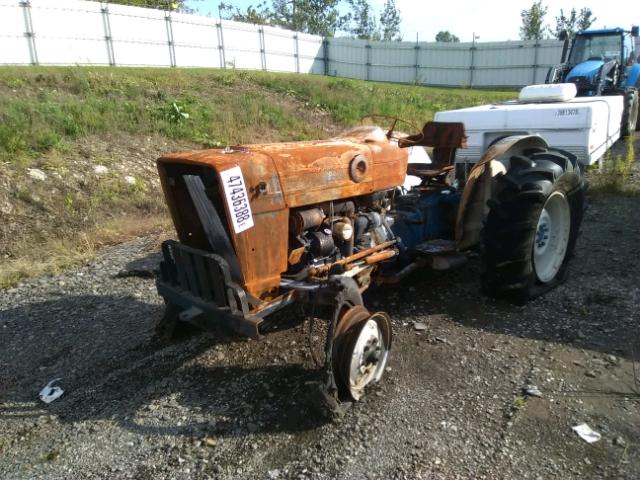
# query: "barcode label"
[[237, 199]]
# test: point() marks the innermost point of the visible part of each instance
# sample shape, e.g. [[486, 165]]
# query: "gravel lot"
[[219, 406]]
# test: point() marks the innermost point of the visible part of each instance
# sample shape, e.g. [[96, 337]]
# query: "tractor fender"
[[633, 78], [480, 186]]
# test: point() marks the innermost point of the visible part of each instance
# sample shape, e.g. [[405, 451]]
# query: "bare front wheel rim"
[[368, 358], [551, 237]]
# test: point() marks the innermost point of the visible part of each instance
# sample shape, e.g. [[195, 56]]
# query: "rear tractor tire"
[[533, 224], [630, 113]]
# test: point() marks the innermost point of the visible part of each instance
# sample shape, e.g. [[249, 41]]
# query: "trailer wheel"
[[532, 226], [630, 113]]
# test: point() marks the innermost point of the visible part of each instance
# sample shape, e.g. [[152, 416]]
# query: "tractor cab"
[[600, 62]]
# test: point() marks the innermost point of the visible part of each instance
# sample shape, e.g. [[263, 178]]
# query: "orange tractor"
[[261, 227]]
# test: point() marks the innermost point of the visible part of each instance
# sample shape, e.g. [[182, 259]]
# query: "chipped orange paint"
[[289, 175]]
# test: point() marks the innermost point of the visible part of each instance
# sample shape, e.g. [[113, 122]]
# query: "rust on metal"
[[380, 256], [283, 176], [437, 135], [323, 269], [444, 137], [286, 182]]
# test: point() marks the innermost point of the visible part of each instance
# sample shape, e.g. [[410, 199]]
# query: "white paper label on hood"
[[237, 199]]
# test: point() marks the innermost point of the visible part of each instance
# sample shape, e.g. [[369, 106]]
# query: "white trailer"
[[585, 126]]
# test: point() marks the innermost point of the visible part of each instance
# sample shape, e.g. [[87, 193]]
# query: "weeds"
[[41, 108], [615, 171], [75, 248]]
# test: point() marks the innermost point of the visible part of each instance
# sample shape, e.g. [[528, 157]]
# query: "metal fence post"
[[263, 48], [535, 62], [172, 49], [296, 51], [368, 50], [28, 32], [472, 66], [104, 8], [417, 62], [325, 55], [223, 60]]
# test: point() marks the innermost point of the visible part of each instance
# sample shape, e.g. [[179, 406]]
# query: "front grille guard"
[[191, 278]]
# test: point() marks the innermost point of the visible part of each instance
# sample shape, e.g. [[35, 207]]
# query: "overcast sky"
[[490, 20]]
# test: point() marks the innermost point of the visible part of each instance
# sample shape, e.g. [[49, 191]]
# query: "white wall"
[[68, 32]]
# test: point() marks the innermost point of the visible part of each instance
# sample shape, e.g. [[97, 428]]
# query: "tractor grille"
[[204, 275], [199, 212]]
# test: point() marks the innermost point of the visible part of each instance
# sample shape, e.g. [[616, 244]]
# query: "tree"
[[258, 15], [318, 17], [361, 22], [533, 27], [178, 5], [584, 19], [390, 21], [446, 36], [574, 22]]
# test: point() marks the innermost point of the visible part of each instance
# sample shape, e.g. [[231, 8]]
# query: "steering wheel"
[[392, 132]]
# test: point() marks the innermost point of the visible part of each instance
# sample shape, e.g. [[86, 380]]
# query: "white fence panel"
[[14, 46], [139, 36], [444, 64], [58, 24], [347, 58], [549, 52], [242, 45], [280, 50], [445, 55], [392, 62], [311, 54], [195, 41], [83, 32]]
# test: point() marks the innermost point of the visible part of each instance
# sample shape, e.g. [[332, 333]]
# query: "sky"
[[489, 20]]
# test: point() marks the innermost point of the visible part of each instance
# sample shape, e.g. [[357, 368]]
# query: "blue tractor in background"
[[603, 62]]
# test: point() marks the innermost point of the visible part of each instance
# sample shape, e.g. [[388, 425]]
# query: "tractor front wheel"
[[532, 226]]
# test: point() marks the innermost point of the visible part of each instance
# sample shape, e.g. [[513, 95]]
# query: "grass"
[[67, 120], [42, 109], [59, 252], [614, 174]]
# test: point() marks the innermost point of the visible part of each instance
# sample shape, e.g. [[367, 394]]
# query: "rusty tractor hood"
[[281, 175]]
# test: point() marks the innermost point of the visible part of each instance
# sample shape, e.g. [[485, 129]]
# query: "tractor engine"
[[328, 232]]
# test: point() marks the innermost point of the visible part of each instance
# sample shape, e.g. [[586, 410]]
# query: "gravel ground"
[[452, 404]]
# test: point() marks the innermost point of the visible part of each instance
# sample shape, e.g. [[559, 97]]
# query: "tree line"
[[316, 17], [323, 17], [534, 26]]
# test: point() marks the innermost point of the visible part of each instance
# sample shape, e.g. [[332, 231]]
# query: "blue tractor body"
[[600, 62], [603, 62]]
